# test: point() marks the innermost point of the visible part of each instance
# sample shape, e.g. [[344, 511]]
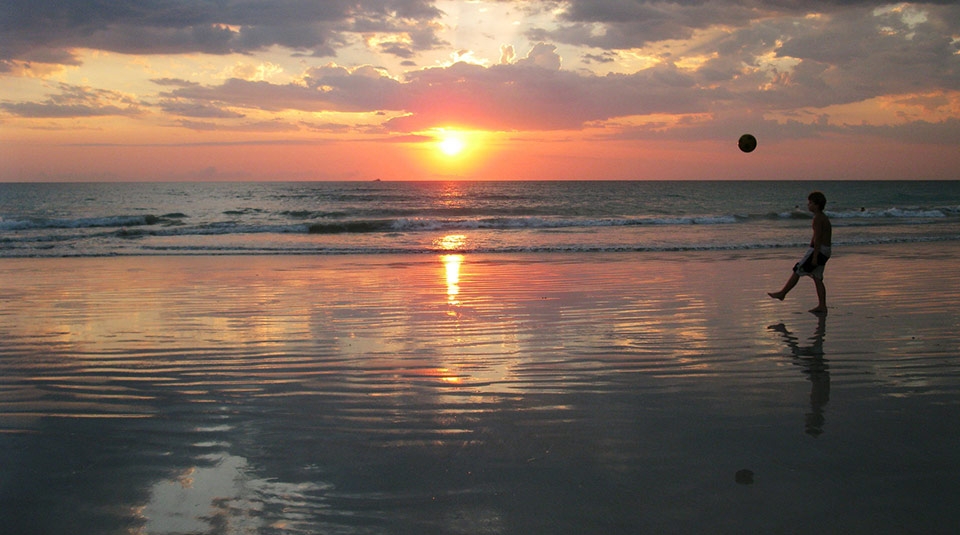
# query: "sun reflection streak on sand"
[[451, 263], [461, 365]]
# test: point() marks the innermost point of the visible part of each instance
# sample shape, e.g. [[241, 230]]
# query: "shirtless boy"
[[811, 264]]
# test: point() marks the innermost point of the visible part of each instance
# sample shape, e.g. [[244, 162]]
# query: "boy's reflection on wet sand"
[[810, 358]]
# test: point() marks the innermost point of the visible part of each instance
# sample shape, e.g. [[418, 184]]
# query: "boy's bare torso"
[[822, 230]]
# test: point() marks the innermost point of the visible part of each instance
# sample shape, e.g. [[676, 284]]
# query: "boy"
[[817, 255]]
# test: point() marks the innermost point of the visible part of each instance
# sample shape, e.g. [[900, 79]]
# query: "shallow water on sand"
[[614, 393]]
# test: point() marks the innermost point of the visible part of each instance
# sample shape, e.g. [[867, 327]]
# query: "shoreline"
[[760, 250]]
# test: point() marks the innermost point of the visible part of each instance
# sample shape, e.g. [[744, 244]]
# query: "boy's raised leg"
[[791, 282]]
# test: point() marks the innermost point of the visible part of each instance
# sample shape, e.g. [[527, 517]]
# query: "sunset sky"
[[424, 90]]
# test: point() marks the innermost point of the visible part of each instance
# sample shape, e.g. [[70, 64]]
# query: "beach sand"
[[607, 393]]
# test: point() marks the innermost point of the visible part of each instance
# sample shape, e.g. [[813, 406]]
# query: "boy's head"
[[818, 199]]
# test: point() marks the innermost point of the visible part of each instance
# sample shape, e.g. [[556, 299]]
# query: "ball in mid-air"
[[747, 143]]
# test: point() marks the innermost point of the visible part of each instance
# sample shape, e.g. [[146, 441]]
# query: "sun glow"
[[451, 143], [454, 153]]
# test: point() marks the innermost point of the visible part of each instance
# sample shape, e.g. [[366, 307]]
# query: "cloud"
[[542, 55], [781, 53], [779, 63], [76, 101], [260, 95], [260, 126], [336, 128], [866, 53], [198, 110], [361, 89], [619, 25], [532, 93], [851, 52], [49, 30], [622, 25], [507, 54]]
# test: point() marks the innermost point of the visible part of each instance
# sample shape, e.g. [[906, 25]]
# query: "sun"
[[453, 149], [451, 143]]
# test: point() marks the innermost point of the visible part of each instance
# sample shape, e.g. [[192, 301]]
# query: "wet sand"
[[613, 393]]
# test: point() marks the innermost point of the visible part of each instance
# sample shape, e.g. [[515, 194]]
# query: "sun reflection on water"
[[451, 264], [451, 242]]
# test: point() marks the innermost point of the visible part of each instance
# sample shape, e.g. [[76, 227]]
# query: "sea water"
[[477, 217]]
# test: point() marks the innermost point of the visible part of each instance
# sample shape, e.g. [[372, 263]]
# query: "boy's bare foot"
[[777, 295], [819, 310]]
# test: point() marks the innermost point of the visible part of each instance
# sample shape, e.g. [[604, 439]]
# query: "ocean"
[[101, 219]]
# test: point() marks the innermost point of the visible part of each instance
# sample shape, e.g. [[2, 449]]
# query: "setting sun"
[[451, 144], [453, 152]]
